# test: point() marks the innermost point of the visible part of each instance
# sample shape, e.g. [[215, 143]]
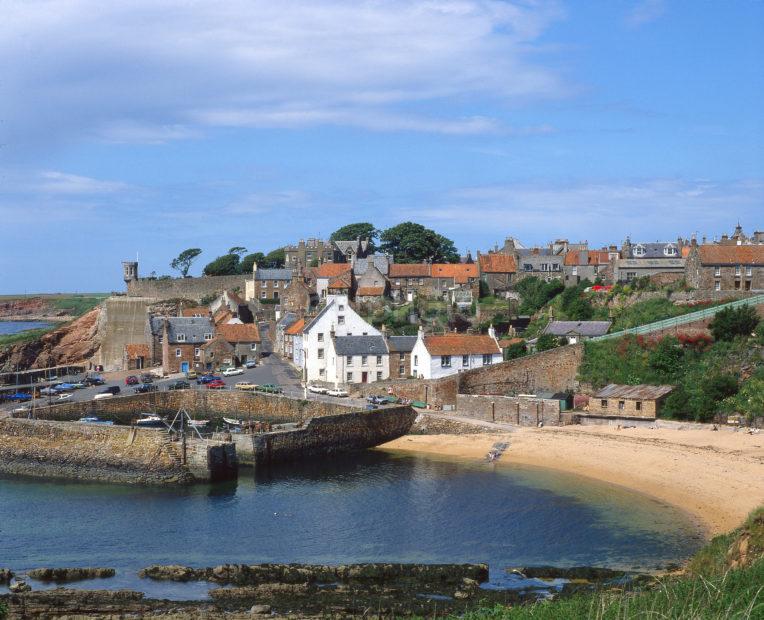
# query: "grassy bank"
[[26, 336], [725, 579]]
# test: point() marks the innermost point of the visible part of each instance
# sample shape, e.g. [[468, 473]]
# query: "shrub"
[[515, 350], [546, 342], [732, 322]]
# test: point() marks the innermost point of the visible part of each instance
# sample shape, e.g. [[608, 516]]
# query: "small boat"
[[232, 422], [198, 423], [150, 420], [96, 420]]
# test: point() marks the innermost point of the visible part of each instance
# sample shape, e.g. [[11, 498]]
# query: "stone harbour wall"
[[436, 392], [331, 434], [510, 410]]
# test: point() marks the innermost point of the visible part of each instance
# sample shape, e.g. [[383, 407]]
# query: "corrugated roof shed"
[[634, 392]]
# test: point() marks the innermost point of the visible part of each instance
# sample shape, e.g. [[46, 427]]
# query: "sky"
[[147, 127]]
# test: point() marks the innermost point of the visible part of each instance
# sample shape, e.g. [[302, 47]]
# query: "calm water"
[[14, 327], [373, 506]]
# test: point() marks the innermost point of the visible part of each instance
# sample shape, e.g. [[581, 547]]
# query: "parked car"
[[270, 388], [94, 381], [49, 391], [232, 372], [113, 389], [338, 392], [147, 377], [246, 386], [377, 400], [146, 387], [317, 389], [204, 379], [217, 384], [191, 374], [18, 396], [64, 387], [250, 364], [78, 385], [132, 380], [179, 385], [103, 395]]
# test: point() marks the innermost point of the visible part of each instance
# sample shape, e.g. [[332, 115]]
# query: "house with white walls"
[[440, 355]]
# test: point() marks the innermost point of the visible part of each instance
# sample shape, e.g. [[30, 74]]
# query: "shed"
[[636, 401]]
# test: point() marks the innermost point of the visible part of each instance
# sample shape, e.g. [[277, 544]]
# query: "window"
[[320, 336], [321, 372], [253, 346], [465, 360], [197, 351], [401, 356], [263, 295], [379, 376], [211, 354], [208, 336], [401, 370], [445, 361], [717, 271], [737, 270], [639, 250], [341, 307], [178, 353], [397, 283], [275, 294], [717, 286], [621, 405], [421, 281], [544, 267], [181, 338], [669, 250], [603, 404], [630, 275], [379, 360], [340, 320], [349, 377], [574, 271], [527, 267], [364, 360], [349, 360], [416, 360], [487, 359], [320, 354], [160, 339], [638, 405], [749, 270]]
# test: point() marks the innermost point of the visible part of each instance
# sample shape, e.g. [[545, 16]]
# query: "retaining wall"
[[437, 392], [187, 288], [122, 321], [510, 410]]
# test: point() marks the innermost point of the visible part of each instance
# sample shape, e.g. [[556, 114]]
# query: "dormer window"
[[639, 250], [669, 250], [181, 338]]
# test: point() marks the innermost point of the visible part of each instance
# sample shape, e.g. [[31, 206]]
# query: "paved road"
[[270, 369]]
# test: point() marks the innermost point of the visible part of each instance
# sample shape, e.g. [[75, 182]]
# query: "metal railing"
[[691, 317]]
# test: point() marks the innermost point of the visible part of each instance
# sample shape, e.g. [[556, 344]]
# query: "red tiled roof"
[[295, 328], [596, 257], [236, 299], [222, 315], [508, 342], [460, 272], [244, 332], [409, 270], [370, 291], [136, 350], [331, 270], [460, 344], [341, 282], [731, 254], [195, 311], [497, 263]]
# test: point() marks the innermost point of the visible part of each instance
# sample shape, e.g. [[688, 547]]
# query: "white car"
[[103, 395], [317, 389], [337, 392], [232, 372]]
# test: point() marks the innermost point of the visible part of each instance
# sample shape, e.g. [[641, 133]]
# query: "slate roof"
[[460, 272], [580, 328], [497, 263], [460, 344], [654, 250], [193, 328], [525, 252], [381, 262], [638, 392], [360, 345], [401, 344], [731, 254], [245, 332], [410, 270], [273, 274]]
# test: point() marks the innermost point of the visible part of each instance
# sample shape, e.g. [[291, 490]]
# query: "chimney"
[[583, 257], [492, 331]]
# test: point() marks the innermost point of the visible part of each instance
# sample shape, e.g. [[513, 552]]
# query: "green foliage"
[[666, 358], [208, 299], [314, 263], [249, 261], [749, 400], [275, 259], [238, 250], [575, 304], [183, 261], [729, 323], [25, 336], [546, 342], [351, 232], [648, 311], [413, 243], [77, 305], [536, 293], [515, 350], [226, 265]]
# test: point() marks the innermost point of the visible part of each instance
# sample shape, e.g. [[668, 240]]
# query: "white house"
[[336, 320], [435, 356]]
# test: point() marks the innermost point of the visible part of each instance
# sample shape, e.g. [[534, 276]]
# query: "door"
[[139, 363], [410, 296], [364, 377], [184, 367]]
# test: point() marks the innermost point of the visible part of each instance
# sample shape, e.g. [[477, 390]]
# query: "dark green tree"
[[413, 243], [237, 249], [350, 232], [732, 322], [666, 359], [183, 261], [275, 259], [515, 350], [226, 265], [536, 293], [250, 259], [546, 342]]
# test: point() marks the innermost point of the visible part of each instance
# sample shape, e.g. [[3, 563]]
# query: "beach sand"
[[716, 476]]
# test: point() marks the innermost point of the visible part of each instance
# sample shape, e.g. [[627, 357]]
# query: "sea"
[[14, 327]]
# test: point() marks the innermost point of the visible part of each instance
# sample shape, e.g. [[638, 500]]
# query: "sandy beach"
[[716, 476]]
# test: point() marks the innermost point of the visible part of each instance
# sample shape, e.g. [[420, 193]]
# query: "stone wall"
[[331, 434], [510, 410], [427, 423], [440, 393], [122, 321], [187, 288], [552, 371]]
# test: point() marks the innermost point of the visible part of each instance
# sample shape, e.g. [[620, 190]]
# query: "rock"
[[5, 575], [172, 572], [260, 609], [62, 575], [19, 586], [588, 573], [462, 595]]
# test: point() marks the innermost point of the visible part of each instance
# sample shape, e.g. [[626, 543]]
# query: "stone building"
[[293, 343], [446, 277], [298, 296], [136, 357], [245, 340], [577, 331], [588, 265], [267, 285], [349, 251], [217, 353], [544, 263], [661, 261], [176, 342], [409, 280], [308, 253], [498, 272], [435, 356], [370, 274], [361, 359], [325, 274], [637, 401], [400, 348], [717, 267]]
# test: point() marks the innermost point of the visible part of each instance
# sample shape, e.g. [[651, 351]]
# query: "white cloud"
[[644, 12], [52, 182], [156, 71]]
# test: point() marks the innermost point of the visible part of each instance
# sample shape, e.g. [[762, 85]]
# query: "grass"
[[77, 305], [26, 336], [709, 589]]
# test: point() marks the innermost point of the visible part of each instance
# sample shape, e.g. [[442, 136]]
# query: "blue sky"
[[148, 127]]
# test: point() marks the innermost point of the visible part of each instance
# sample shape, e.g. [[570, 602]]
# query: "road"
[[270, 369]]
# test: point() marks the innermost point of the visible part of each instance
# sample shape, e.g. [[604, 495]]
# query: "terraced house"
[[176, 342], [717, 267], [439, 355], [267, 285]]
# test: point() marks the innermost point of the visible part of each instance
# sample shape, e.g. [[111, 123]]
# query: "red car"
[[217, 384], [132, 380]]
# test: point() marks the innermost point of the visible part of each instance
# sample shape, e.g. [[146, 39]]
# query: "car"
[[217, 384], [49, 391], [338, 392], [317, 389], [179, 385], [18, 396], [78, 385], [143, 388], [270, 388], [64, 396], [21, 410], [147, 377], [103, 395], [204, 379], [113, 389], [246, 386], [94, 381], [191, 374], [64, 387], [377, 400], [232, 372], [251, 364], [132, 380]]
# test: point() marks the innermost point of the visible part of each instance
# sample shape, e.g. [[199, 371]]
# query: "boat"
[[232, 422], [150, 420], [96, 420], [198, 423]]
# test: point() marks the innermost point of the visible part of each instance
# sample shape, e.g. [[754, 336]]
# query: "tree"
[[183, 261], [249, 260], [546, 342], [515, 350], [226, 265], [238, 250], [536, 293], [666, 358], [413, 243], [351, 232], [732, 322], [275, 259]]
